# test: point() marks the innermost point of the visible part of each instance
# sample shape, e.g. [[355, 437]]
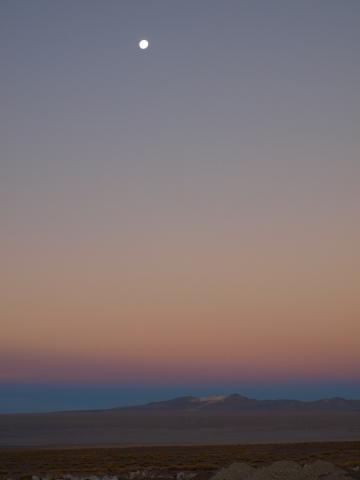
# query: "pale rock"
[[236, 471]]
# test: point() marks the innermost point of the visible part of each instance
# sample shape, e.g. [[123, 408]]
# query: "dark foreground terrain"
[[201, 460]]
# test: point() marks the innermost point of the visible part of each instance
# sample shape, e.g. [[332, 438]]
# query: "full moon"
[[143, 44]]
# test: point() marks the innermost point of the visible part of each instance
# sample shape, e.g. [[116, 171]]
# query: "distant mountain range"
[[230, 419], [239, 403]]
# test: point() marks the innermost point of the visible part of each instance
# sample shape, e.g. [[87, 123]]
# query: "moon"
[[143, 44]]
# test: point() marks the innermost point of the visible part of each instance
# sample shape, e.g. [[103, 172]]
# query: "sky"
[[183, 219]]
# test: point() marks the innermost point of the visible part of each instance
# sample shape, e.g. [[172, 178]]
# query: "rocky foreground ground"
[[329, 460], [280, 470], [285, 470]]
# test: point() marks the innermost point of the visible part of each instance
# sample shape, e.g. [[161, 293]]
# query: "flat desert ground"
[[127, 427]]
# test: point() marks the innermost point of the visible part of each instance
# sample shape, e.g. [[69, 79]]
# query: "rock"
[[282, 470], [133, 475], [321, 468], [236, 471], [334, 476], [185, 475]]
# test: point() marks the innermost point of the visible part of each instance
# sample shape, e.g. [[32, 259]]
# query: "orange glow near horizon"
[[191, 306]]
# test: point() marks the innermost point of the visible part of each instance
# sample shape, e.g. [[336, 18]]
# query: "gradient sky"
[[184, 219]]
